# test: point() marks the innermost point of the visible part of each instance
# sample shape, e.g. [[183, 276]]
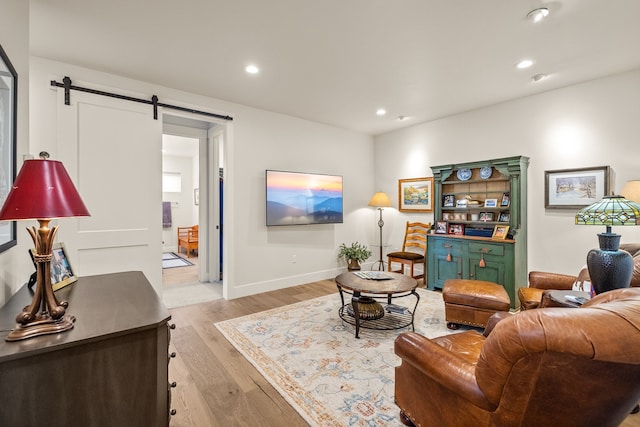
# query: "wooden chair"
[[414, 250], [188, 239]]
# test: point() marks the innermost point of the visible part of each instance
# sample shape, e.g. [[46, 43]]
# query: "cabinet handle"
[[173, 354], [448, 245], [173, 412], [174, 384], [485, 250], [470, 274], [172, 326]]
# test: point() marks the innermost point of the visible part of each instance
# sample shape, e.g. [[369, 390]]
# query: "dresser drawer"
[[447, 245], [486, 248]]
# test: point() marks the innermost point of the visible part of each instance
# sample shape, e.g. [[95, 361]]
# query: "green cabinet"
[[493, 193]]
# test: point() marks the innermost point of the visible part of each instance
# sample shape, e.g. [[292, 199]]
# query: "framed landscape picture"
[[576, 188], [415, 195]]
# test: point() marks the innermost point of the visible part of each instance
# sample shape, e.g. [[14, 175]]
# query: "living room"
[[587, 124]]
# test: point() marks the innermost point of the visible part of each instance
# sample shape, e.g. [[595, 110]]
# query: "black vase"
[[609, 267]]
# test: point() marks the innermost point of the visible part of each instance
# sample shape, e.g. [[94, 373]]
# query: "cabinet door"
[[492, 271], [442, 269]]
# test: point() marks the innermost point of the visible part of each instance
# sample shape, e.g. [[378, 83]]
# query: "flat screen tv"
[[296, 198]]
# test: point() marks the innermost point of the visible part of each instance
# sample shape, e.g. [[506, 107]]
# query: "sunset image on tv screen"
[[295, 198]]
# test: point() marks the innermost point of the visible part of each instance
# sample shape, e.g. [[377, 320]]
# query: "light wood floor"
[[180, 275], [216, 385]]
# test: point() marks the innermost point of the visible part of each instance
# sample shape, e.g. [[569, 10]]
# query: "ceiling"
[[338, 61]]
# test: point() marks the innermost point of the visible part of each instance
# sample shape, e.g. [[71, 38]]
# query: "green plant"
[[356, 251]]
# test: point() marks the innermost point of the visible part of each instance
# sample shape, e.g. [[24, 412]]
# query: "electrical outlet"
[[294, 259]]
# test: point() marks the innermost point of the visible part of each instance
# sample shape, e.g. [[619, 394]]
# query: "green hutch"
[[480, 217]]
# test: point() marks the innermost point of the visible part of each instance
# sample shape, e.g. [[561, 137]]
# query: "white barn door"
[[112, 150]]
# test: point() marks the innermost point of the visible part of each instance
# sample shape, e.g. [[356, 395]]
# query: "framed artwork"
[[500, 232], [457, 229], [441, 227], [8, 122], [506, 199], [196, 196], [490, 203], [61, 272], [576, 188], [415, 195], [486, 216], [504, 217], [448, 200]]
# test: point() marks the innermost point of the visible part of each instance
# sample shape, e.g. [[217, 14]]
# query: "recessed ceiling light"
[[525, 63], [252, 69], [539, 77], [537, 15], [381, 112]]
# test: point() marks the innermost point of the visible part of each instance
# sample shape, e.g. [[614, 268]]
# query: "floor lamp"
[[380, 200]]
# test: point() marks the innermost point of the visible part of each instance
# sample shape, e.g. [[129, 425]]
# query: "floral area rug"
[[314, 360]]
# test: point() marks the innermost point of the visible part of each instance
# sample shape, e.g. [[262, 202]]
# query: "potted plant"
[[354, 255]]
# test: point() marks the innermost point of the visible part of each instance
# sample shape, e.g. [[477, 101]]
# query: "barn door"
[[112, 150]]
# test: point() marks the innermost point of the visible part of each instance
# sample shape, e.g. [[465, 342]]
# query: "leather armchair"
[[530, 297], [551, 366]]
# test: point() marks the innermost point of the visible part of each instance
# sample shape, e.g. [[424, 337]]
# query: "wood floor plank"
[[217, 386]]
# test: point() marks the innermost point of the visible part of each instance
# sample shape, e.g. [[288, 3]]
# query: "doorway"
[[190, 164]]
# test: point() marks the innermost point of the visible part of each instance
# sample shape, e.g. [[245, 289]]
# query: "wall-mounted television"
[[297, 198]]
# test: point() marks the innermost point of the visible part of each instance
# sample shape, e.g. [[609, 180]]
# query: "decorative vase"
[[609, 267], [353, 265]]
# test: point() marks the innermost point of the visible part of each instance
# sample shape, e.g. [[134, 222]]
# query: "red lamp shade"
[[42, 189]]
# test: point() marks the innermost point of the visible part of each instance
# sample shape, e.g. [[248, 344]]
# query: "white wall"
[[15, 264], [258, 258], [596, 123], [183, 210]]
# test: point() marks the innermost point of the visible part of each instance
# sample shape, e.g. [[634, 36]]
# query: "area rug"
[[313, 359], [171, 260]]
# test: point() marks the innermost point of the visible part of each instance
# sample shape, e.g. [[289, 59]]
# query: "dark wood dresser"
[[111, 369]]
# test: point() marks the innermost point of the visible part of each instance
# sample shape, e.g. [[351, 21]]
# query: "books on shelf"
[[372, 275]]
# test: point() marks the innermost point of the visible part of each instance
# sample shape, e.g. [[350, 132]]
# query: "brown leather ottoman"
[[472, 302]]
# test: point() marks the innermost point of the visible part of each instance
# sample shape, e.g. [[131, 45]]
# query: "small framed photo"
[[457, 229], [500, 232], [462, 203], [415, 195], [441, 227], [486, 216], [448, 200], [504, 217], [61, 272], [491, 203], [506, 199], [447, 216]]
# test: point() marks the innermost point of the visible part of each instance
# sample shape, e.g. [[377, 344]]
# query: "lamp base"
[[609, 267], [41, 326]]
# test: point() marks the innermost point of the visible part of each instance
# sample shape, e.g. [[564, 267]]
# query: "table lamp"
[[631, 190], [42, 191], [609, 267], [380, 200]]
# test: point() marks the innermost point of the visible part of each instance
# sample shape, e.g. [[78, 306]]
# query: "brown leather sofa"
[[545, 367], [530, 297]]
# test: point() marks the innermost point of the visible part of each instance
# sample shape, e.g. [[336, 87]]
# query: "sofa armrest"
[[441, 366], [544, 280]]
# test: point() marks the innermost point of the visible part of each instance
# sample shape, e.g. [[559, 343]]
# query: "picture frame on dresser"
[[486, 216], [456, 229], [448, 200], [8, 141], [441, 227], [491, 203], [504, 217], [576, 188], [415, 195], [500, 232], [506, 200]]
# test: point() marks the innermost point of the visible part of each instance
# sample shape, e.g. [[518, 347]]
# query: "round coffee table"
[[363, 291]]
